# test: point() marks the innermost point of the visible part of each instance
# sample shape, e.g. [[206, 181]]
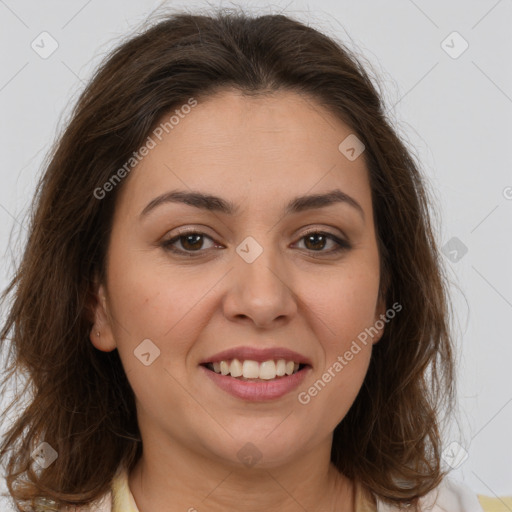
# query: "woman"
[[231, 295]]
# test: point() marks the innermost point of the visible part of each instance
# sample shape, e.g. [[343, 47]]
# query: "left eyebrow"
[[217, 204]]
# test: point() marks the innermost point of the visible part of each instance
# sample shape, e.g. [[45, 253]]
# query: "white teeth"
[[250, 369], [280, 367], [224, 368], [235, 369], [267, 370]]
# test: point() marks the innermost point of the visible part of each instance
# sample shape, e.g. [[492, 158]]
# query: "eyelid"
[[342, 242], [316, 229], [311, 228]]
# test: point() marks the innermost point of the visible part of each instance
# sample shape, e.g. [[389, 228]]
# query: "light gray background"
[[455, 112]]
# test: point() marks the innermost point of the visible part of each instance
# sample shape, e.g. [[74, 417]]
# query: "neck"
[[188, 481]]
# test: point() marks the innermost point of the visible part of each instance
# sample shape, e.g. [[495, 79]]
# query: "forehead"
[[261, 147]]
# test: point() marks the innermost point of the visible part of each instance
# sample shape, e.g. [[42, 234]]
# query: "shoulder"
[[449, 496], [496, 504]]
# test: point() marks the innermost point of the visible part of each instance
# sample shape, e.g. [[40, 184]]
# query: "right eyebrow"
[[218, 204]]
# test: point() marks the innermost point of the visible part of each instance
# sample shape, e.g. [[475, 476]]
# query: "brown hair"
[[81, 402]]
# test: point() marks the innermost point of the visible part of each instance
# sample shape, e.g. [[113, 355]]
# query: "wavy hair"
[[78, 398]]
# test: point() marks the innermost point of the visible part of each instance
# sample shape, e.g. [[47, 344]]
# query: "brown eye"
[[191, 242], [316, 241]]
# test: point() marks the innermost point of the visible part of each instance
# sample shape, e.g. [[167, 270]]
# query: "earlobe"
[[101, 335]]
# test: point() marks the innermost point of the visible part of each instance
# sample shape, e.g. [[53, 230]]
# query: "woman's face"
[[257, 278]]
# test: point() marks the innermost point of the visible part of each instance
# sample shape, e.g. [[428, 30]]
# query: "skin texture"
[[258, 152]]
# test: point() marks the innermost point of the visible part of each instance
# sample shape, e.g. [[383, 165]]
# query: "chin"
[[261, 447]]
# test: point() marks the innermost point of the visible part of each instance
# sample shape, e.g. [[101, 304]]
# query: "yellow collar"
[[123, 501], [122, 498]]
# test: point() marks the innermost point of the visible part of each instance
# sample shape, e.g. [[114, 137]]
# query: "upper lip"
[[258, 354]]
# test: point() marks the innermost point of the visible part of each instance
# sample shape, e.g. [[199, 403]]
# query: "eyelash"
[[168, 244]]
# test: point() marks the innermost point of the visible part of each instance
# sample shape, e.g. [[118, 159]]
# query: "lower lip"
[[258, 390]]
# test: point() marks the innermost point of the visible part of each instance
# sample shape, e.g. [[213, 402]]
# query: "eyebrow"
[[217, 204]]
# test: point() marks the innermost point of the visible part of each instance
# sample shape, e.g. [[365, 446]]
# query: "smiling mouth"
[[249, 370]]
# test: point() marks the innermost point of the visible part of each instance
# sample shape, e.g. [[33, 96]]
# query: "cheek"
[[342, 320], [344, 304], [149, 302], [330, 396], [147, 293], [343, 310]]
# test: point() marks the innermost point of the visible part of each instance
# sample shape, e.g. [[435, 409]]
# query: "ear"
[[380, 318], [101, 334]]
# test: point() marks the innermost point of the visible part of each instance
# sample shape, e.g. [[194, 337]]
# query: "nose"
[[260, 292]]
